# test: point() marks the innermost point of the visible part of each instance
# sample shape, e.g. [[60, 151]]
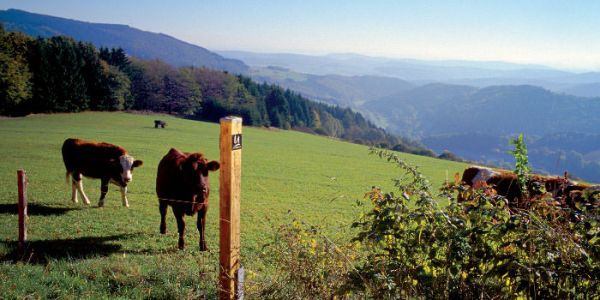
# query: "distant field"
[[113, 251]]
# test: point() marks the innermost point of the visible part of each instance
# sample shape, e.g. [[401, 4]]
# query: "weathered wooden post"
[[229, 191], [22, 207]]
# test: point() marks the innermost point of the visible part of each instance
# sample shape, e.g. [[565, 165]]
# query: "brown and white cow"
[[107, 162], [182, 182], [506, 184]]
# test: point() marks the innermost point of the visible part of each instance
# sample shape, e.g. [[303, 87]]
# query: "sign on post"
[[22, 207], [229, 208]]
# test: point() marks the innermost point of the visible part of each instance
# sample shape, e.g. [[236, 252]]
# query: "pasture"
[[91, 252]]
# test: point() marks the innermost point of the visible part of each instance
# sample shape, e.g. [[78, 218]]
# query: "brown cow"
[[506, 184], [108, 162], [182, 182]]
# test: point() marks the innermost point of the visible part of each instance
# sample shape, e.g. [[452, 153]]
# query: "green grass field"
[[91, 252]]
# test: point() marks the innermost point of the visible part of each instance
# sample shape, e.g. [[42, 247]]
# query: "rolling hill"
[[135, 42], [476, 124], [497, 110], [117, 252], [422, 107], [347, 91], [420, 72]]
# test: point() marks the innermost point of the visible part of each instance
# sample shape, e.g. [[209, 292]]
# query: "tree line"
[[59, 74]]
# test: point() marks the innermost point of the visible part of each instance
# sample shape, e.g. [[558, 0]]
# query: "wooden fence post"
[[22, 208], [229, 208]]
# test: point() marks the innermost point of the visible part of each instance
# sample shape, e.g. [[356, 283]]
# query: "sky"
[[561, 34]]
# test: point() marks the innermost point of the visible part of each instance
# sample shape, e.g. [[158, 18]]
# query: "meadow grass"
[[93, 252]]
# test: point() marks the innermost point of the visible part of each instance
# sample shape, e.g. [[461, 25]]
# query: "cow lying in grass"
[[110, 163], [182, 182], [565, 192]]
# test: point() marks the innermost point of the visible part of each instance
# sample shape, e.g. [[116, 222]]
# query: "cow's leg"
[[201, 223], [162, 207], [79, 184], [103, 191], [180, 227], [74, 191], [124, 196]]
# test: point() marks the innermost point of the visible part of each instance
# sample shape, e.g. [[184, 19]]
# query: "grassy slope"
[[92, 252]]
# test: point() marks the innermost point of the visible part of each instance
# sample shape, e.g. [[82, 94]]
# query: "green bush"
[[475, 249], [407, 246], [308, 265]]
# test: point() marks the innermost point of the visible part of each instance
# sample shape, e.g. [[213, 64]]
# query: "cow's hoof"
[[100, 204], [163, 229], [203, 248], [181, 245]]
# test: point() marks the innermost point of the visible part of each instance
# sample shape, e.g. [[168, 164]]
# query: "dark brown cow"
[[506, 184], [182, 182], [108, 162]]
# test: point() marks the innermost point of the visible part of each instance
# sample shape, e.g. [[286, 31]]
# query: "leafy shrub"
[[522, 161], [407, 246], [475, 249], [308, 265]]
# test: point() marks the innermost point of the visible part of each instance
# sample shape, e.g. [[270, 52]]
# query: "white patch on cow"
[[86, 200], [126, 163], [124, 196], [484, 174]]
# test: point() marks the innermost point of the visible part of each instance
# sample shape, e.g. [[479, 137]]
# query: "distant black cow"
[[182, 182], [108, 162], [159, 123]]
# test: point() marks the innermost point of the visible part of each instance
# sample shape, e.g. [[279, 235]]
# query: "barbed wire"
[[178, 201]]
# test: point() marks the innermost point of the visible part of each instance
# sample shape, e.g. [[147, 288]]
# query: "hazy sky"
[[558, 33]]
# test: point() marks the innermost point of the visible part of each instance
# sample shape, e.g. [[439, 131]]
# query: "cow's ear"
[[213, 165], [137, 163]]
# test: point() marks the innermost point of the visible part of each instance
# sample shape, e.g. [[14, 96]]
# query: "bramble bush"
[[408, 246], [308, 264], [479, 248]]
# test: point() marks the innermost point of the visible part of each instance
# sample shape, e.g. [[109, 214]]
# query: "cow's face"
[[125, 165], [195, 171]]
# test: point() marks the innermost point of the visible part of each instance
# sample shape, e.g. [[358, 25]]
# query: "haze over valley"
[[468, 107], [335, 149]]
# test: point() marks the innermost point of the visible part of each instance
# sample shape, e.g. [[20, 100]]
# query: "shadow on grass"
[[43, 251], [34, 209]]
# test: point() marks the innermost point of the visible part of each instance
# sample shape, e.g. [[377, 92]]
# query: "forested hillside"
[[561, 130], [347, 91], [59, 74], [447, 109], [138, 43]]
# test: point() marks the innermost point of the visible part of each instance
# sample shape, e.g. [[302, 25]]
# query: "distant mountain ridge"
[[563, 131], [420, 72], [436, 109], [135, 42], [407, 69], [347, 91]]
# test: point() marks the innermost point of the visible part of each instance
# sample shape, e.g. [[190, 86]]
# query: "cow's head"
[[195, 174], [124, 167]]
